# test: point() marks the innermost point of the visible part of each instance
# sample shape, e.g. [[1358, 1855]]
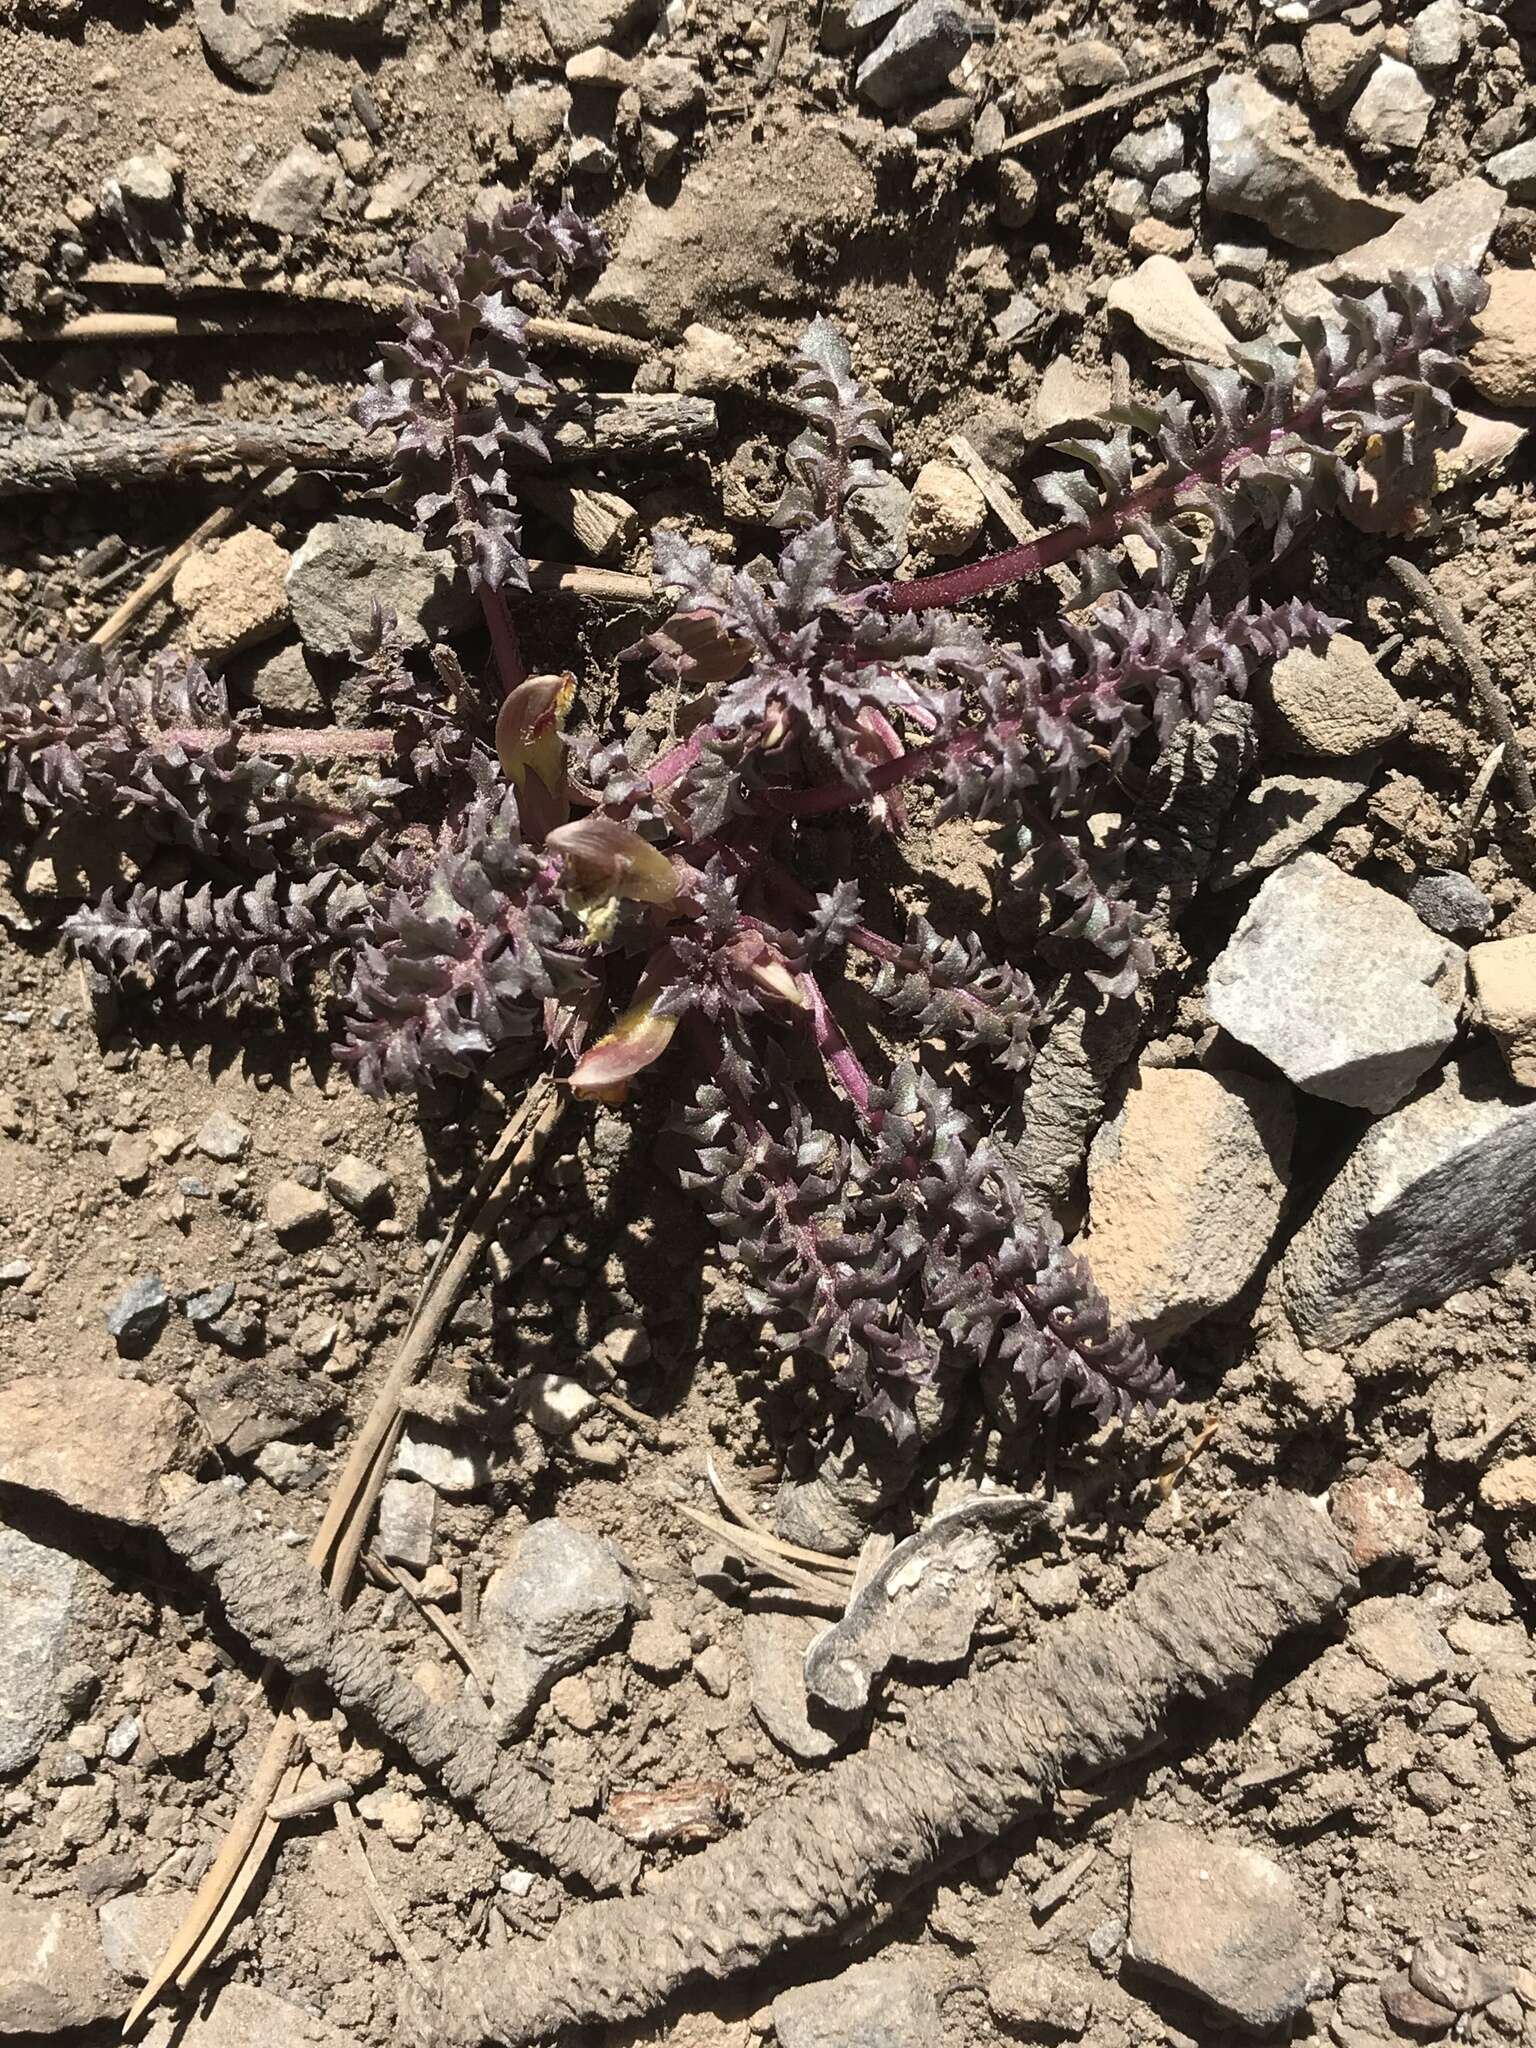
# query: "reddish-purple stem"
[[504, 645], [842, 1062], [1149, 501]]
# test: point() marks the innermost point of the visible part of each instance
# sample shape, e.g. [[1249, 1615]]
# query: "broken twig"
[[1107, 102], [957, 1772], [622, 426], [993, 486], [1460, 642]]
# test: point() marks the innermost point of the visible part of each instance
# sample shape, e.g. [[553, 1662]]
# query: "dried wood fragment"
[[276, 312], [1107, 102], [601, 522], [1001, 498], [693, 1810], [281, 1608], [644, 426], [958, 1772]]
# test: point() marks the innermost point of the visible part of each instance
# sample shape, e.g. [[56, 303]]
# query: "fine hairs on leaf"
[[686, 919]]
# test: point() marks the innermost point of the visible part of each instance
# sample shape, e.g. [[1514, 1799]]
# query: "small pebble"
[[209, 1303], [296, 1212], [138, 1312], [223, 1139]]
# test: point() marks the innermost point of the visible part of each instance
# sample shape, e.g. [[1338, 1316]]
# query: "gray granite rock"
[[295, 193], [887, 2003], [1149, 153], [562, 1600], [1257, 169], [53, 1974], [573, 25], [918, 54], [1515, 170], [1393, 110], [36, 1586], [1340, 985], [1452, 905], [135, 1317], [247, 40], [1433, 1198], [348, 564]]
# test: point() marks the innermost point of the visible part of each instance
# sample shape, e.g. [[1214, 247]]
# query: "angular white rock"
[[1340, 985]]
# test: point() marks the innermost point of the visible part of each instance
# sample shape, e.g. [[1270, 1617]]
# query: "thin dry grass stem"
[[339, 1541], [644, 1426], [1118, 96], [737, 1509], [1454, 633], [350, 1830], [397, 1579], [163, 575]]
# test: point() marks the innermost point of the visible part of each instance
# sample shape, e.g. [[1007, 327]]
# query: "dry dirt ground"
[[1375, 1776]]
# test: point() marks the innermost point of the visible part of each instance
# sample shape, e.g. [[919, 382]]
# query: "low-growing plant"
[[504, 885]]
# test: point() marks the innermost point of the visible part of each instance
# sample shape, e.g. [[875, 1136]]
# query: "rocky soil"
[[1313, 1181]]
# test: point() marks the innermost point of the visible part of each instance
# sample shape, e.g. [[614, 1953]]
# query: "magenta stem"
[[504, 643], [842, 1062], [1148, 502], [676, 762]]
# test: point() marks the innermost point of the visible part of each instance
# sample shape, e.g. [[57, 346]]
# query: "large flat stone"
[[94, 1442], [1340, 985], [53, 1974], [1185, 1185], [1223, 1922], [1433, 1199], [1259, 168], [36, 1586]]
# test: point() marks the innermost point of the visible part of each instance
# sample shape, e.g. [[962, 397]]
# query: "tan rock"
[[1506, 1701], [708, 360], [1223, 1922], [1501, 363], [1503, 975], [1336, 702], [1381, 1516], [232, 596], [1336, 61], [1160, 299], [1153, 237], [1509, 1488], [1067, 394], [97, 1443], [947, 511], [52, 1971], [1185, 1187]]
